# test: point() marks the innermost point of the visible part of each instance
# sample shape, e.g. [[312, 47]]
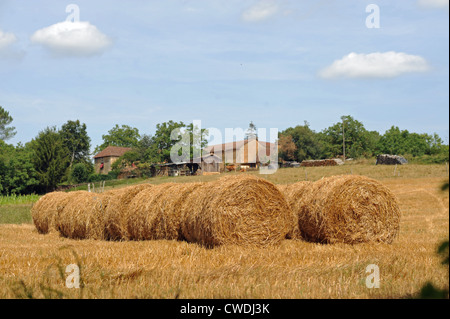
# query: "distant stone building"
[[244, 153], [105, 159]]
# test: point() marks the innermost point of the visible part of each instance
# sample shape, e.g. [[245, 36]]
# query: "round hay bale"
[[241, 210], [168, 211], [45, 211], [294, 194], [82, 216], [347, 209], [115, 218], [142, 213]]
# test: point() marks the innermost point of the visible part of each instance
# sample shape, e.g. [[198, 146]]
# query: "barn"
[[103, 161], [244, 153]]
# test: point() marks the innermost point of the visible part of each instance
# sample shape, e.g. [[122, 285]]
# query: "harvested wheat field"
[[32, 265]]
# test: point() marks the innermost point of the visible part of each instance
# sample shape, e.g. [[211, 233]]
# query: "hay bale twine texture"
[[115, 218], [346, 209], [241, 210], [45, 211], [143, 213], [82, 216], [294, 194]]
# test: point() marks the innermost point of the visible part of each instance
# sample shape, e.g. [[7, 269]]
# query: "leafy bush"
[[79, 173], [101, 177]]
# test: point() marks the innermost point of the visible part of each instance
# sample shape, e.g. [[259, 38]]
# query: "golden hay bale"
[[142, 213], [294, 196], [242, 210], [82, 217], [346, 209], [45, 211], [116, 210], [167, 211]]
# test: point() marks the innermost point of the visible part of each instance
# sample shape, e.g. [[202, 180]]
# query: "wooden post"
[[89, 187], [306, 175], [395, 169]]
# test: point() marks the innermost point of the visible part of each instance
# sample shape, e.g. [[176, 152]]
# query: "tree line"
[[350, 137], [62, 155]]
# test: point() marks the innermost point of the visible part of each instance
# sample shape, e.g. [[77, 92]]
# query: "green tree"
[[17, 174], [6, 132], [122, 136], [162, 142], [307, 143], [197, 140], [80, 173], [251, 132], [349, 132], [50, 159], [287, 148], [402, 142], [77, 141]]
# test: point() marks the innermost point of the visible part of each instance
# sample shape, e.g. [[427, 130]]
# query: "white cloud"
[[262, 10], [434, 3], [72, 39], [375, 65], [6, 39]]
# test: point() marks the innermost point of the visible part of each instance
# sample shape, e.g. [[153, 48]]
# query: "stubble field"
[[34, 265]]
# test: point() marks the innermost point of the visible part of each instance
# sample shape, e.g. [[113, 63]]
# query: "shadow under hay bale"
[[346, 209], [115, 218], [241, 210], [45, 211]]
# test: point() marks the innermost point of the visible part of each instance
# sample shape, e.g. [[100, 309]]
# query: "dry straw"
[[168, 211], [242, 210], [115, 218], [142, 213], [294, 196], [45, 211], [82, 217], [346, 209], [156, 213]]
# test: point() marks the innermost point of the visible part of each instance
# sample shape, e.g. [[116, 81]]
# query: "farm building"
[[244, 153], [206, 164], [105, 159]]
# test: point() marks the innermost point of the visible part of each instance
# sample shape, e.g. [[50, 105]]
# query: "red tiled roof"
[[113, 151]]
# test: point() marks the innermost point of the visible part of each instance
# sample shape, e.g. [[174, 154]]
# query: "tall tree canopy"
[[251, 132], [50, 158], [300, 143], [17, 173], [359, 142], [6, 132], [77, 141], [123, 136]]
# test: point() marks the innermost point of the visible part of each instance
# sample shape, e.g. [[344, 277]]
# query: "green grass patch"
[[16, 214], [18, 199]]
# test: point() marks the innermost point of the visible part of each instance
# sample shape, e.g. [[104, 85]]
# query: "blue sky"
[[226, 63]]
